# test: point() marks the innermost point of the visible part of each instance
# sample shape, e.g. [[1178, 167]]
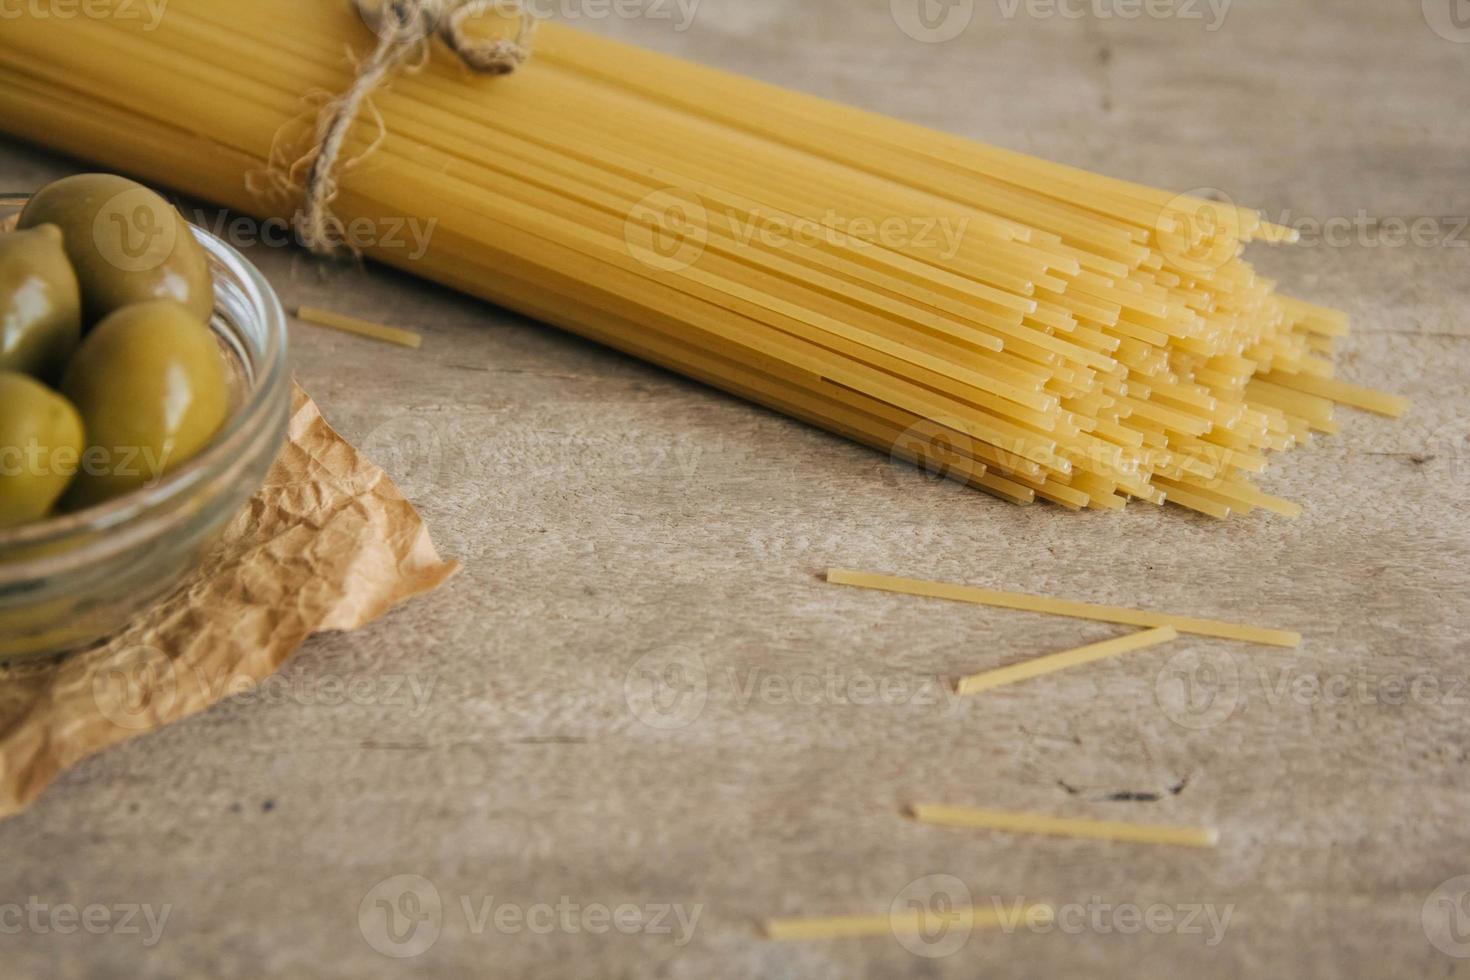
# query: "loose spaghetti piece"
[[1036, 823], [1063, 607], [362, 328], [907, 923], [976, 683]]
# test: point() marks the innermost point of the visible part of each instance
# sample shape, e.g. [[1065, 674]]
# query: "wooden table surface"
[[640, 693]]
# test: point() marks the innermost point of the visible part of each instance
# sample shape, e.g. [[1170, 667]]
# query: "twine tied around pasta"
[[405, 29]]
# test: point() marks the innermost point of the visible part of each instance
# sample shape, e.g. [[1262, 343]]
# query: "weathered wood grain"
[[614, 517]]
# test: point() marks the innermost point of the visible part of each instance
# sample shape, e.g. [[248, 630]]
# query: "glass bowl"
[[72, 580]]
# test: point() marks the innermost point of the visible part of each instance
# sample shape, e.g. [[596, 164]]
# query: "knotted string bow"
[[404, 28]]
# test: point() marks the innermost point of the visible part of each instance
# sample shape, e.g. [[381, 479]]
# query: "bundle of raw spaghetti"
[[1031, 328]]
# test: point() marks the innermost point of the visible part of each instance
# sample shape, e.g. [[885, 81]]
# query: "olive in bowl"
[[152, 390], [41, 444], [127, 244], [40, 303], [72, 577]]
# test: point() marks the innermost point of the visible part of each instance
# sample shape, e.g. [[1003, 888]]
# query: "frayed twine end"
[[405, 29]]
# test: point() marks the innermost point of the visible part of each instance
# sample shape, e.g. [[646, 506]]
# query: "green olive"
[[127, 244], [40, 305], [40, 447], [152, 387]]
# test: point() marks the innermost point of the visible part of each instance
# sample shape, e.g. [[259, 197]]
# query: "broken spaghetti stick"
[[976, 683], [1357, 396], [909, 922], [1063, 607], [362, 328], [1036, 823]]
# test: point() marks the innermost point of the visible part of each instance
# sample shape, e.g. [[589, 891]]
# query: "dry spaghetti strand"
[[1035, 823], [991, 679], [1063, 607]]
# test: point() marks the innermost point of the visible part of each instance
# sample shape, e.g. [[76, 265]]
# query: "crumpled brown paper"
[[327, 544]]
